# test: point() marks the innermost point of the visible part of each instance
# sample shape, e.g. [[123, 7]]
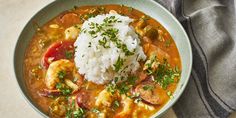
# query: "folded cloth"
[[211, 27]]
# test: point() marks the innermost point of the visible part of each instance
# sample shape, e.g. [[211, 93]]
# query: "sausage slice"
[[151, 93]]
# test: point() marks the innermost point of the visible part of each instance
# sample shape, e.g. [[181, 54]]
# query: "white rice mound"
[[95, 62]]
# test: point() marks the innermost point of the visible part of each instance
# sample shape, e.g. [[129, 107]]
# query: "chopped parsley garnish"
[[92, 33], [103, 42], [69, 113], [145, 18], [90, 44], [59, 86], [90, 15], [148, 87], [169, 93], [131, 80], [69, 54], [109, 20], [75, 113], [125, 49], [136, 97], [163, 73], [123, 88], [119, 63], [117, 79], [65, 90], [137, 100], [116, 104], [111, 88], [167, 43], [130, 9], [73, 104], [95, 110], [108, 34], [61, 74], [78, 113]]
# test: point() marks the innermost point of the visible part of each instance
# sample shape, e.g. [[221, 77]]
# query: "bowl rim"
[[177, 96]]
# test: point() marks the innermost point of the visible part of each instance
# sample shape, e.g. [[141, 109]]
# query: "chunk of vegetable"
[[72, 32], [58, 50], [141, 24]]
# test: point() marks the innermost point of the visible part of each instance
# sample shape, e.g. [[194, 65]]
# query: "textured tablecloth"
[[211, 27]]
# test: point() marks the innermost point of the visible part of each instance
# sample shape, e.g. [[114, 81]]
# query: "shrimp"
[[127, 107], [69, 70], [104, 98]]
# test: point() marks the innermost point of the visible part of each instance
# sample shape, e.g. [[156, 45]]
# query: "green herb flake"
[[78, 113], [69, 113], [169, 93], [116, 104], [130, 9], [145, 18], [73, 104], [95, 110], [103, 42], [163, 73], [61, 74], [66, 91], [137, 100], [131, 80], [90, 44], [123, 88], [168, 43], [111, 88], [148, 87], [125, 49], [63, 88], [69, 54], [59, 86], [119, 63]]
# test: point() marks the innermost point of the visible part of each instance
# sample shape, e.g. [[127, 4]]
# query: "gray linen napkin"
[[211, 27]]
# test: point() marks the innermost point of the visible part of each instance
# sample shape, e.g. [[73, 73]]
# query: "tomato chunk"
[[58, 50]]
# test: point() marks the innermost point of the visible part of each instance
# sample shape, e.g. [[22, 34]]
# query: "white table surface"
[[14, 14]]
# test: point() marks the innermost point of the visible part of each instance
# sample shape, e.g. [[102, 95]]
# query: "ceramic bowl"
[[149, 7]]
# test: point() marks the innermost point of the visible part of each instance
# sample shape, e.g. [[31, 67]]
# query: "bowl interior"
[[149, 7]]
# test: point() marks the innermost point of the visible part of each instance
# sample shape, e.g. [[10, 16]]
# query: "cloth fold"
[[211, 27]]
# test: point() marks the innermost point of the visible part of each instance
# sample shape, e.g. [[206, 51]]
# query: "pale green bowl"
[[149, 7]]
